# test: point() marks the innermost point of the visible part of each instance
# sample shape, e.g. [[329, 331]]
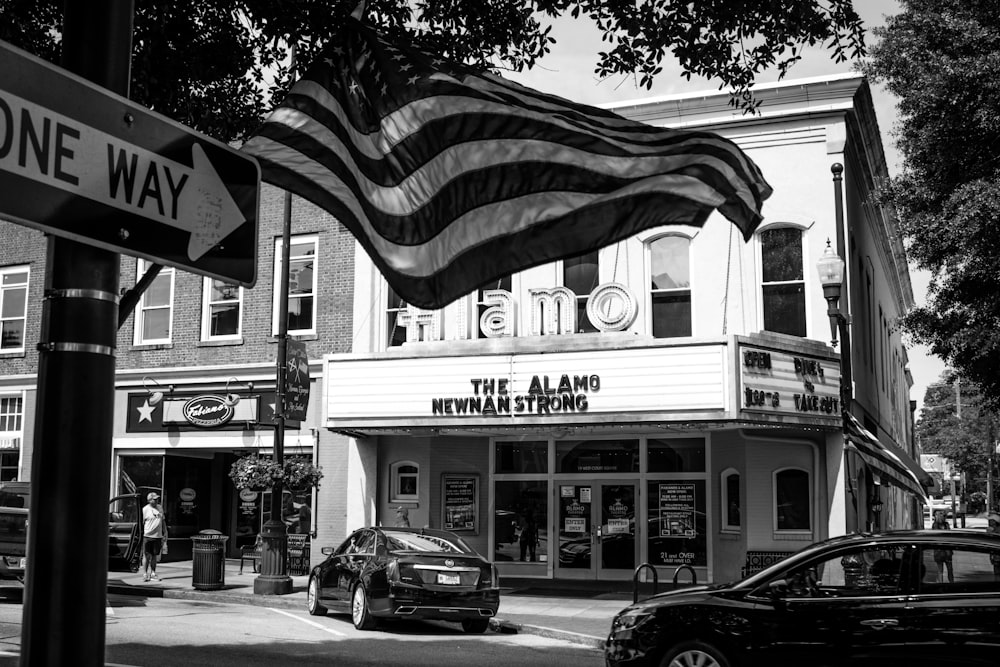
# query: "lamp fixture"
[[155, 395], [232, 398], [831, 276], [876, 505]]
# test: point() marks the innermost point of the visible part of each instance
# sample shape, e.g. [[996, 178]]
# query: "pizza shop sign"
[[207, 410]]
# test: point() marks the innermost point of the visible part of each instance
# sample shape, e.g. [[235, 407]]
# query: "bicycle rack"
[[694, 577], [635, 580]]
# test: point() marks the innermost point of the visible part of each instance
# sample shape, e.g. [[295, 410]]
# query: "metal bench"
[[297, 557]]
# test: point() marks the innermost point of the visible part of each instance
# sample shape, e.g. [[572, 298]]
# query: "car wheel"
[[312, 598], [694, 654], [363, 620], [475, 626]]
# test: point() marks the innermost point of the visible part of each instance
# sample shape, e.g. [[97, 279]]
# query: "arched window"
[[730, 501], [782, 281], [404, 478], [580, 274], [670, 286], [792, 509]]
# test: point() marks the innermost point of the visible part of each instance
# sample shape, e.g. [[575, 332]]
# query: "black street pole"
[[67, 571], [274, 579]]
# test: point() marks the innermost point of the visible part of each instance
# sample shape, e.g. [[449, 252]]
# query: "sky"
[[568, 71]]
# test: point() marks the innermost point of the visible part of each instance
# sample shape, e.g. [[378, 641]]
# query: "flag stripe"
[[450, 178]]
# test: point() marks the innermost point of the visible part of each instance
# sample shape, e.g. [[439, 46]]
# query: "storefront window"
[[521, 507], [791, 499], [140, 471], [522, 457], [677, 455], [677, 526], [590, 456]]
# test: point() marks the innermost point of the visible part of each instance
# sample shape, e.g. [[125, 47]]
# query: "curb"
[[511, 627]]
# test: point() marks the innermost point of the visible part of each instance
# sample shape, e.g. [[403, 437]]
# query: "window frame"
[[651, 292], [583, 323], [395, 478], [276, 276], [206, 310], [141, 308], [803, 281], [724, 477], [23, 318]]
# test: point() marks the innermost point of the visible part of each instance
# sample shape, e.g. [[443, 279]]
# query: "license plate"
[[449, 579]]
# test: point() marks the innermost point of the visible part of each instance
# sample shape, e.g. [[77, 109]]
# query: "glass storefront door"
[[597, 529]]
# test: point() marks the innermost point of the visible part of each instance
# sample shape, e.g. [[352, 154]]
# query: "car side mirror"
[[326, 551], [778, 589]]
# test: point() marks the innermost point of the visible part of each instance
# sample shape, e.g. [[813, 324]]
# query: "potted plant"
[[300, 474], [256, 473]]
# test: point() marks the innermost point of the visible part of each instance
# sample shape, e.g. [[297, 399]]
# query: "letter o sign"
[[612, 307]]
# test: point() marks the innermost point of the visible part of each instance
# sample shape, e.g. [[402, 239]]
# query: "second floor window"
[[155, 314], [223, 310], [581, 276], [782, 283], [670, 286], [302, 272], [394, 306], [13, 307], [11, 414]]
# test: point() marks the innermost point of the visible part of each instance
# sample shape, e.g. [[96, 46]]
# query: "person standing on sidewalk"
[[154, 535]]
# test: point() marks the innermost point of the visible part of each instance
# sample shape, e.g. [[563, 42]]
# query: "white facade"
[[693, 418]]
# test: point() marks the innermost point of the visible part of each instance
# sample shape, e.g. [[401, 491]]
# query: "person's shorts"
[[151, 545]]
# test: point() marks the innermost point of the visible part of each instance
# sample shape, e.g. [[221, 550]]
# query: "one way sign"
[[78, 161]]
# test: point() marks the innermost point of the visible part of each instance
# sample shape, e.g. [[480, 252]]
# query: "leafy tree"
[[941, 58], [956, 423], [218, 65]]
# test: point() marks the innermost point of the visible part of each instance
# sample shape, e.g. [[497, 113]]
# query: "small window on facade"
[[676, 455], [302, 273], [13, 307], [394, 307], [791, 500], [522, 456], [670, 286], [11, 414], [580, 275], [155, 313], [782, 283], [222, 313], [730, 501], [405, 481]]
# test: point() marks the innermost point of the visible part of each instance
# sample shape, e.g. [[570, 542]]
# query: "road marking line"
[[308, 622]]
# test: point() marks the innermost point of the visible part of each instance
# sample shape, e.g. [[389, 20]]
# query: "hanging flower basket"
[[300, 474], [259, 473]]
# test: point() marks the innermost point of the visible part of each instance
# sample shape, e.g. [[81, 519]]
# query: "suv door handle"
[[879, 623]]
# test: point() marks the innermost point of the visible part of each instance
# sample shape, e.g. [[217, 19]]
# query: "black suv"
[[910, 597]]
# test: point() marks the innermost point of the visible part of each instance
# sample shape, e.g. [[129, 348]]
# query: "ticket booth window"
[[405, 481]]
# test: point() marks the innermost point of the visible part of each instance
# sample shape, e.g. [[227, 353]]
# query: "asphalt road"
[[157, 631]]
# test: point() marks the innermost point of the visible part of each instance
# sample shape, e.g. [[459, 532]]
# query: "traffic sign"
[[79, 161]]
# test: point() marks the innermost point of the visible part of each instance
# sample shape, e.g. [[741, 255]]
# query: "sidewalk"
[[578, 612]]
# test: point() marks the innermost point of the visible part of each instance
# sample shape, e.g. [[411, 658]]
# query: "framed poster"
[[460, 502]]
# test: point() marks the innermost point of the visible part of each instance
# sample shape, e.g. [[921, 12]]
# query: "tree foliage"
[[941, 58], [219, 65], [958, 424]]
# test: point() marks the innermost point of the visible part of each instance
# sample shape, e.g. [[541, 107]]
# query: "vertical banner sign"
[[297, 381]]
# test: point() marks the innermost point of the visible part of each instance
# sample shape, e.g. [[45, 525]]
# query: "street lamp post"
[[831, 276]]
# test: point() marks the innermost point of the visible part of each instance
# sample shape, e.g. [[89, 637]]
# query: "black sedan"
[[383, 573], [911, 598]]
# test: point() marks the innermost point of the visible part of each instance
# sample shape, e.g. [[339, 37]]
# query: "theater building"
[[673, 399]]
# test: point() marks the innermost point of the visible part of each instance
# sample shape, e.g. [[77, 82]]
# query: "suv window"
[[959, 570], [854, 573]]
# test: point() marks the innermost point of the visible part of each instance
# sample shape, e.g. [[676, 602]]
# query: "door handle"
[[880, 623]]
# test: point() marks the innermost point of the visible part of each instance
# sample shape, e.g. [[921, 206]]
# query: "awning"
[[894, 463]]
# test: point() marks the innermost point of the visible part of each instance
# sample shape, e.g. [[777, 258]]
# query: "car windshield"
[[404, 541]]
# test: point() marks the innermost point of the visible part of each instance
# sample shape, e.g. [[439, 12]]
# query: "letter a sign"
[[79, 161]]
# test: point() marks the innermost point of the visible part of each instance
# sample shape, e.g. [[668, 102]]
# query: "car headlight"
[[627, 619]]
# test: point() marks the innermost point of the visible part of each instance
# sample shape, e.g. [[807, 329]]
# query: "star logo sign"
[[146, 412]]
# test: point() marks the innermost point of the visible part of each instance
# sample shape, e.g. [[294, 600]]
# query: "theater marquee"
[[785, 383]]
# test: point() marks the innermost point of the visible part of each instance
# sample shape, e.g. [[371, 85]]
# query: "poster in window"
[[461, 499], [677, 533]]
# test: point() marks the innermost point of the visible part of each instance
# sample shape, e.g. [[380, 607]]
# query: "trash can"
[[208, 551]]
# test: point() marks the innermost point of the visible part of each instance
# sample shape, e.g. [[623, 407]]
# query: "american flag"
[[451, 177]]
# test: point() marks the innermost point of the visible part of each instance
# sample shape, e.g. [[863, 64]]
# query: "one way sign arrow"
[[78, 161]]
